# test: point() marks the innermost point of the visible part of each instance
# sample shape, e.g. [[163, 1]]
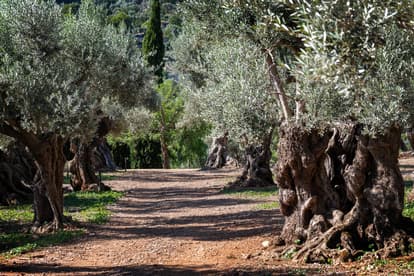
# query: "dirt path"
[[169, 222], [177, 222]]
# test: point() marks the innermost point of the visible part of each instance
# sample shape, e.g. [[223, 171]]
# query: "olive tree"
[[235, 99], [54, 73], [338, 167], [346, 92]]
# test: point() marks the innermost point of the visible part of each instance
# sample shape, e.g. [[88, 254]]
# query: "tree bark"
[[103, 159], [341, 189], [163, 140], [164, 150], [102, 152], [89, 157], [17, 170], [82, 168], [256, 172], [410, 137], [47, 151], [48, 181], [218, 153], [278, 86]]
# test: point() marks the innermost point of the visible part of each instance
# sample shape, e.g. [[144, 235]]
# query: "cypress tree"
[[153, 44]]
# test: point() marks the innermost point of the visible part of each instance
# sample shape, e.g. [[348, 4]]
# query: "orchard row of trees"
[[142, 125], [68, 79], [331, 80], [334, 81], [59, 77], [180, 144]]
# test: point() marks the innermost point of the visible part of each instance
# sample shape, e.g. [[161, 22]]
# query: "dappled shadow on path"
[[170, 204], [185, 209], [165, 193], [166, 222], [207, 228], [145, 270], [173, 175]]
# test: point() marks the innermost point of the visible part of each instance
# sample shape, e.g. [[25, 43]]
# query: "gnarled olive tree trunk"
[[218, 152], [103, 156], [17, 170], [256, 172], [82, 168], [47, 183], [88, 157], [341, 189]]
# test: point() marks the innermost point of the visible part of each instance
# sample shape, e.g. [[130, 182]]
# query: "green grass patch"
[[298, 272], [253, 192], [13, 244], [407, 265], [399, 267], [19, 213], [409, 210], [104, 177], [408, 206], [81, 206], [90, 206], [268, 206], [289, 254]]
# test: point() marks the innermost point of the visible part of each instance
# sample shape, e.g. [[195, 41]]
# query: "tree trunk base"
[[48, 182], [320, 249], [102, 156], [82, 169], [341, 193], [50, 227], [242, 182], [256, 172], [218, 153]]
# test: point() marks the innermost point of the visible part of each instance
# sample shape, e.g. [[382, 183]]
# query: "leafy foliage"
[[336, 60], [56, 70], [189, 149], [120, 17], [144, 149], [171, 103], [359, 68], [185, 140], [147, 152], [153, 43], [228, 86], [121, 153]]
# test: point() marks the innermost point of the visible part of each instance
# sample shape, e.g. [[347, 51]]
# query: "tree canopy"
[[55, 71], [153, 47], [332, 60], [56, 74], [233, 92], [341, 75]]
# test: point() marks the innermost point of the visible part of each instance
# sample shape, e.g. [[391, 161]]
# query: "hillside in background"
[[132, 12]]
